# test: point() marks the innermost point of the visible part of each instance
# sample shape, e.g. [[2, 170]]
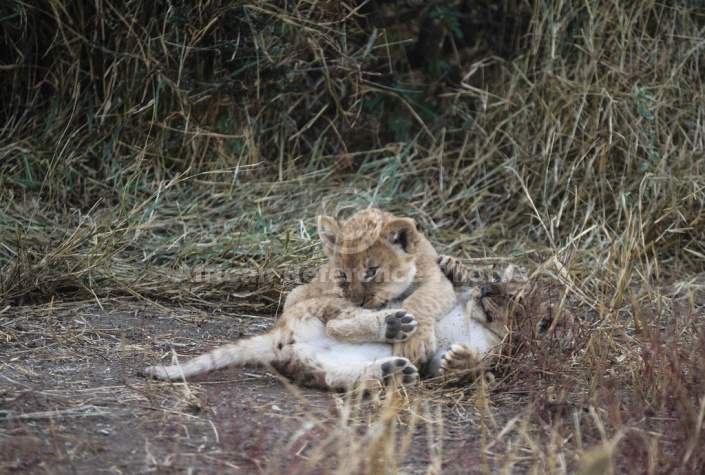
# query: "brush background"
[[176, 154]]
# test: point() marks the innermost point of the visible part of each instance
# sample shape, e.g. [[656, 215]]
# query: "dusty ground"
[[72, 402]]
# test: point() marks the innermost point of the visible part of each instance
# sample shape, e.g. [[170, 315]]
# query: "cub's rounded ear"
[[328, 230], [402, 233]]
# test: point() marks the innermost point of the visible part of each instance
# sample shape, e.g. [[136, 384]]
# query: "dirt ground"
[[72, 402]]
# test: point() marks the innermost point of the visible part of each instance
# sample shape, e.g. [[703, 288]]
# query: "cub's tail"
[[256, 350]]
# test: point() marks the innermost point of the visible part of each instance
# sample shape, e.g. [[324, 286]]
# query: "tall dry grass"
[[179, 152]]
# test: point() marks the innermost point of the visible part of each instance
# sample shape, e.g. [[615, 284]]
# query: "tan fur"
[[374, 258], [300, 347], [506, 308], [407, 270], [491, 307]]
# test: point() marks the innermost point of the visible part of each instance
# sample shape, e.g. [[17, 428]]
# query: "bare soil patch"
[[72, 402]]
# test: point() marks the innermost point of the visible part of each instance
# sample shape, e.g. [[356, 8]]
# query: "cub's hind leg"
[[388, 371], [460, 363]]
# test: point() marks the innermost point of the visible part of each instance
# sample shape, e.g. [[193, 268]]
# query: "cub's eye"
[[341, 275], [496, 279], [370, 273]]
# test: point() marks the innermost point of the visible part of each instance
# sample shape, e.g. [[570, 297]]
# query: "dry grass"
[[177, 154]]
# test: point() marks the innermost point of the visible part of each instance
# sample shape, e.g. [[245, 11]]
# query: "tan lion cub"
[[301, 346], [375, 258]]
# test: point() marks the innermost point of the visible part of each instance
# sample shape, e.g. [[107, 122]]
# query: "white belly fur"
[[332, 354], [457, 328], [453, 328]]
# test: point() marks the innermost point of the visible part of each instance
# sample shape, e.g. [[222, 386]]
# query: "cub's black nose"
[[487, 290]]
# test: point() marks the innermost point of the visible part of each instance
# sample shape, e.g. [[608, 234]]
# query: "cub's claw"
[[399, 326], [459, 364], [458, 358]]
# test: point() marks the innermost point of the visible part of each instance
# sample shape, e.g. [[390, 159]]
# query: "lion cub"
[[494, 319], [374, 258], [302, 347], [474, 332]]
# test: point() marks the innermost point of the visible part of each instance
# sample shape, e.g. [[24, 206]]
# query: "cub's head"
[[529, 309], [372, 255], [497, 302]]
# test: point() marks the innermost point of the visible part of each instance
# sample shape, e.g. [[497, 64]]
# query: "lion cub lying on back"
[[301, 346]]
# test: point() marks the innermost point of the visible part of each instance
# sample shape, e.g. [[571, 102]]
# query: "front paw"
[[399, 326]]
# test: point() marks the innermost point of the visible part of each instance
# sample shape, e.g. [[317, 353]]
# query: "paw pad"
[[400, 370], [399, 326]]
